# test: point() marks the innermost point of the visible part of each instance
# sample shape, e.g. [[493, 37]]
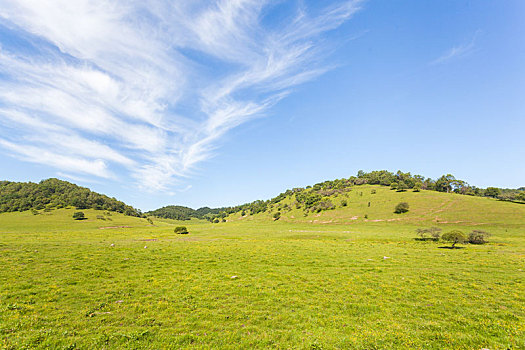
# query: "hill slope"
[[375, 204], [56, 194], [353, 199]]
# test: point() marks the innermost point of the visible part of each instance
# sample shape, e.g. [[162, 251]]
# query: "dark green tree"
[[444, 183], [181, 230], [79, 215], [401, 208], [492, 192], [402, 186]]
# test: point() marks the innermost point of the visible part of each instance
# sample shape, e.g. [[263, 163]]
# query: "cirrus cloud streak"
[[151, 88]]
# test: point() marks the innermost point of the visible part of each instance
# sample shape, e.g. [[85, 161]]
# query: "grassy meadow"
[[333, 280]]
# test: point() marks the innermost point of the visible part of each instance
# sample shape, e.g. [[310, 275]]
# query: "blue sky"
[[220, 103]]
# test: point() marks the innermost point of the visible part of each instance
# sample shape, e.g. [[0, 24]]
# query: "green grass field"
[[332, 280]]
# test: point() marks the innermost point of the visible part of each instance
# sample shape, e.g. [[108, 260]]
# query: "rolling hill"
[[56, 194], [375, 204]]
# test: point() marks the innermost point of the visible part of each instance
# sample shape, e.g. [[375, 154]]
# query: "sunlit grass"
[[361, 285]]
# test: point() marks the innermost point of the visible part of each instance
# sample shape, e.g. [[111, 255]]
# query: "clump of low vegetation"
[[429, 234], [478, 237], [401, 208], [181, 230], [277, 215], [454, 237], [79, 215]]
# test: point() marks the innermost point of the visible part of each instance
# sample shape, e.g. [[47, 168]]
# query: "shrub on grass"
[[454, 237], [401, 208], [181, 230], [344, 203], [429, 234], [401, 186], [435, 232], [422, 233], [277, 215], [478, 237], [79, 215]]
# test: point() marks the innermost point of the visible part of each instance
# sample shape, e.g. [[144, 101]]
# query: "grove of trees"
[[55, 194]]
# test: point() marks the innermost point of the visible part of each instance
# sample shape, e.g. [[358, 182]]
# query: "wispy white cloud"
[[457, 51], [106, 83], [38, 155]]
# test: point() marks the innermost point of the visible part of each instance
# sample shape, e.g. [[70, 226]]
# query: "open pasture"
[[123, 283]]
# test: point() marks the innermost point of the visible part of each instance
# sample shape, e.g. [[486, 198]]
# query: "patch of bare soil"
[[110, 227]]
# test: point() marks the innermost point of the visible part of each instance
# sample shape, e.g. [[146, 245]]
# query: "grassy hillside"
[[258, 283], [374, 203]]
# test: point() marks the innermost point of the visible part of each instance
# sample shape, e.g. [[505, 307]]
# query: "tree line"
[[55, 194], [178, 212]]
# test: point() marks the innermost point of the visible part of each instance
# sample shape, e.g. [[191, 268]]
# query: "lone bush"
[[181, 230], [277, 215], [435, 232], [401, 208], [79, 215], [454, 237], [429, 234], [478, 237]]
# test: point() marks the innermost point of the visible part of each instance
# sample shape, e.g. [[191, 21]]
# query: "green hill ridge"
[[56, 194], [376, 202]]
